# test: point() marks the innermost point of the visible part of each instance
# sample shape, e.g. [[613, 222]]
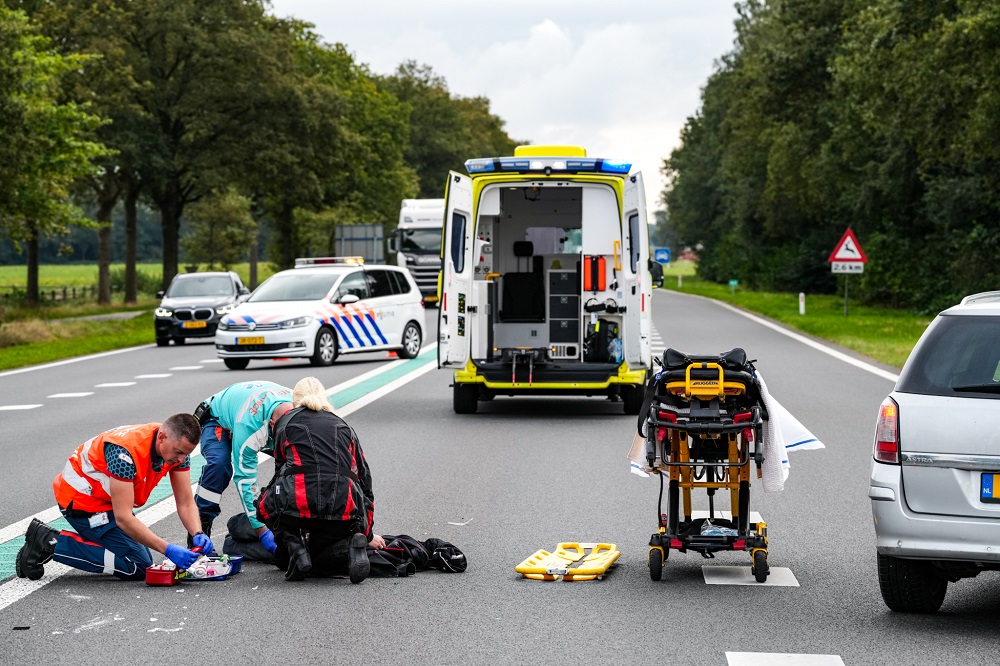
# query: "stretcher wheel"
[[760, 568], [656, 563]]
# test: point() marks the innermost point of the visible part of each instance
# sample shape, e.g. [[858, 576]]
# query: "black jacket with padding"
[[320, 472]]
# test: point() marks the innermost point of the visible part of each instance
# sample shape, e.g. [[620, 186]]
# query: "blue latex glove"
[[181, 556], [267, 540], [201, 539]]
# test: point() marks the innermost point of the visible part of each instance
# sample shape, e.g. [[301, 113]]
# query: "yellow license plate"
[[195, 324], [249, 341]]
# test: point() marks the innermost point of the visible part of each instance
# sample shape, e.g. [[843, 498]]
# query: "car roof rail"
[[982, 297]]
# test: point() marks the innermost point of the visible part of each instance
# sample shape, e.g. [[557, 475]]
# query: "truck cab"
[[545, 286], [417, 243]]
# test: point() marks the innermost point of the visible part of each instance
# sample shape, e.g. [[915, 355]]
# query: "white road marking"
[[782, 659], [716, 575], [7, 408], [867, 367], [70, 395], [211, 360], [73, 360], [186, 367], [114, 384], [159, 376]]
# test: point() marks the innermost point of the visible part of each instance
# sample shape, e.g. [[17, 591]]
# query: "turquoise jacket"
[[245, 411]]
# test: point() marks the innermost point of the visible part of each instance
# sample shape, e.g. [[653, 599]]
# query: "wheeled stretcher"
[[702, 421]]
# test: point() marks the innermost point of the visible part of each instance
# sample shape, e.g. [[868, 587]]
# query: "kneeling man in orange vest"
[[101, 483]]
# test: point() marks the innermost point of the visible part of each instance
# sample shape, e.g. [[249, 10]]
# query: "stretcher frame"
[[570, 562], [706, 417]]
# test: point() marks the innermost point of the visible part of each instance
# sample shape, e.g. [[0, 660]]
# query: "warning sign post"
[[847, 258]]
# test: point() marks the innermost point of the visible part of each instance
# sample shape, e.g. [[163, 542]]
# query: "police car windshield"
[[295, 285], [422, 240], [215, 285]]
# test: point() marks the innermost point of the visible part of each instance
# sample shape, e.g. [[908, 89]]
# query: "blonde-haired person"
[[309, 392], [320, 504]]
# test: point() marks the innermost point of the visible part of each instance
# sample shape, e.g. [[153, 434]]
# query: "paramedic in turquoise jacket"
[[235, 425]]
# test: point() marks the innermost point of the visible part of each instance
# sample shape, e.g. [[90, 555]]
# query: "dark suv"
[[194, 303]]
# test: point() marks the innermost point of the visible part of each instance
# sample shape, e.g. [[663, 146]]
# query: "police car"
[[322, 308]]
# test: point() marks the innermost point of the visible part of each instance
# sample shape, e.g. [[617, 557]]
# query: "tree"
[[222, 229], [45, 142]]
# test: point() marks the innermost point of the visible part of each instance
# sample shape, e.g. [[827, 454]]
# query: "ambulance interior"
[[546, 253]]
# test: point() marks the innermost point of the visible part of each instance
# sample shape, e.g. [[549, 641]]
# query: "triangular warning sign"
[[848, 249]]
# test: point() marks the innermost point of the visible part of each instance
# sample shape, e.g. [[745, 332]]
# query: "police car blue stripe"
[[340, 333], [346, 321], [361, 325], [377, 330]]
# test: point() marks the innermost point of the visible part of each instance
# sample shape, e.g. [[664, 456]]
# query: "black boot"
[[358, 566], [206, 527], [299, 561], [39, 546]]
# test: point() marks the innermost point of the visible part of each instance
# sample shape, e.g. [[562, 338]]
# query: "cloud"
[[619, 79]]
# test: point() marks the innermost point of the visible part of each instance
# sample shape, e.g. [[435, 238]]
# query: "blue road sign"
[[661, 255]]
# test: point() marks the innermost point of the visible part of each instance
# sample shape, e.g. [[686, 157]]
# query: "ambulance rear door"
[[638, 287], [456, 276]]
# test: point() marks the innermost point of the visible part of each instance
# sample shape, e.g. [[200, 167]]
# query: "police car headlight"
[[225, 309], [298, 322], [163, 312], [224, 325]]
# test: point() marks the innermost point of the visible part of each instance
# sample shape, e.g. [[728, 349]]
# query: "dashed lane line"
[[10, 408], [81, 394], [782, 659], [186, 367], [114, 384], [729, 575], [155, 376]]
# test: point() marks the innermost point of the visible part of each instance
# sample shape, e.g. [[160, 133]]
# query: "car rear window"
[[958, 355], [296, 286]]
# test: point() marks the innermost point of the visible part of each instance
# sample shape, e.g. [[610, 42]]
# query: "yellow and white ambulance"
[[545, 287]]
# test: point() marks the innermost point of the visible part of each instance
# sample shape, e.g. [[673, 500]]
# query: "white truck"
[[545, 286], [417, 243]]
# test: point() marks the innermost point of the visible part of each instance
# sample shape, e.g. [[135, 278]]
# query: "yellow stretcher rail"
[[570, 561]]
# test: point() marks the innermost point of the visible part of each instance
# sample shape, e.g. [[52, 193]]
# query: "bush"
[[145, 283]]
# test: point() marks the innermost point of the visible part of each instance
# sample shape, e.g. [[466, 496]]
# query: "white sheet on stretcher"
[[782, 432]]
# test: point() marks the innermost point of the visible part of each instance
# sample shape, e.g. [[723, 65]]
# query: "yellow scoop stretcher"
[[570, 561]]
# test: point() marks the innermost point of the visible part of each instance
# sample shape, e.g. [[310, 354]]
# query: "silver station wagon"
[[935, 480]]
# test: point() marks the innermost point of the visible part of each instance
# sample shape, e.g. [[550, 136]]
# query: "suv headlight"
[[163, 312], [295, 323], [225, 309]]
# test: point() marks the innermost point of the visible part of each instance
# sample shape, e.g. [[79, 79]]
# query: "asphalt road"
[[520, 475]]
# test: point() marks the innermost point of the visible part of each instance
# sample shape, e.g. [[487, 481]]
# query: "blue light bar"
[[547, 165]]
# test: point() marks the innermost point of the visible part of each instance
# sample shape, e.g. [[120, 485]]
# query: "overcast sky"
[[619, 78]]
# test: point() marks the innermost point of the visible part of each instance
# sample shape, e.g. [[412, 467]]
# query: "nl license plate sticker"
[[989, 488], [195, 324], [257, 341]]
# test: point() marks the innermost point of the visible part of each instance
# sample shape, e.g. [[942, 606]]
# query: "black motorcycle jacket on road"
[[320, 472]]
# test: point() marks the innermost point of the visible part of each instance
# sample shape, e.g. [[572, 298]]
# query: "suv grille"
[[201, 314]]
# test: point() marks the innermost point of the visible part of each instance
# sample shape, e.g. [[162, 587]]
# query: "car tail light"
[[887, 433]]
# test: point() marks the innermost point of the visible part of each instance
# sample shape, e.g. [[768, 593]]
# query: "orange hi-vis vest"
[[85, 481]]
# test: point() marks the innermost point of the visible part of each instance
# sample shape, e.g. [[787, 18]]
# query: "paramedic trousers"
[[102, 549], [217, 448], [327, 543]]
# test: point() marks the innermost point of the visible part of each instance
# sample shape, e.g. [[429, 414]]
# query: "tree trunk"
[[286, 230], [131, 196], [31, 296], [170, 218], [253, 260], [104, 250]]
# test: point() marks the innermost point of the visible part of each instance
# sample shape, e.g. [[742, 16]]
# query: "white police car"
[[322, 308]]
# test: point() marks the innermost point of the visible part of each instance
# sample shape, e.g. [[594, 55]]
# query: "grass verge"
[[887, 336], [57, 340]]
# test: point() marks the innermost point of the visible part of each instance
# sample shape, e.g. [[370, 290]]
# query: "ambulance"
[[545, 286]]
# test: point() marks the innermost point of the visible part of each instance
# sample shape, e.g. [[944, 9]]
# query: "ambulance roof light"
[[547, 165], [308, 262]]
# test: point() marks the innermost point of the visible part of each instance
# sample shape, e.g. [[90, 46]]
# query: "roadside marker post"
[[802, 302]]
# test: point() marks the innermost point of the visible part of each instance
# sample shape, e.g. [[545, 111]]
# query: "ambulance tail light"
[[886, 448]]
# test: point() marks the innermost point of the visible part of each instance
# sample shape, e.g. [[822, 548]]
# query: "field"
[[52, 276]]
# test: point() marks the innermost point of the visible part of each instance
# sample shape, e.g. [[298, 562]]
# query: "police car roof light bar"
[[306, 262]]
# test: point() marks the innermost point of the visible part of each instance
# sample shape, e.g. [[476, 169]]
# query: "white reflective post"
[[802, 303]]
